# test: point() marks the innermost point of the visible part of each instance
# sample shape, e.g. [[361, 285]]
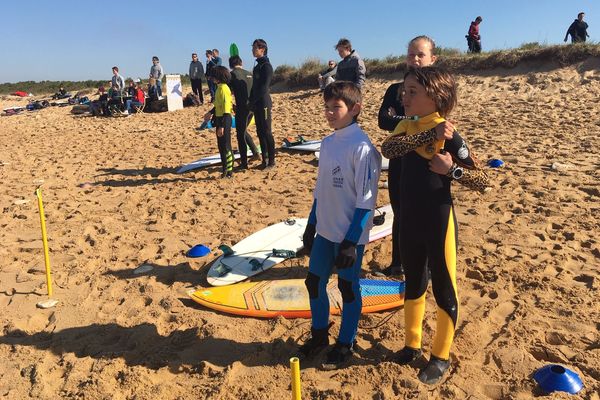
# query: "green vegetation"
[[46, 87], [51, 87], [455, 60]]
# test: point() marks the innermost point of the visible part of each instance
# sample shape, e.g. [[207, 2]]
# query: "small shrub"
[[530, 46]]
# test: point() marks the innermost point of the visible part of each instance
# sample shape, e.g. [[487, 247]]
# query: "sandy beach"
[[528, 259]]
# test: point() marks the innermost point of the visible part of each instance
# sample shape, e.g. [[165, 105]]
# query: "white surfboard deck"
[[215, 159], [310, 145], [253, 254], [385, 162]]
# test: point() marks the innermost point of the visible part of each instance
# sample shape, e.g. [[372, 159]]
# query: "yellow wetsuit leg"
[[444, 289], [414, 258], [414, 311]]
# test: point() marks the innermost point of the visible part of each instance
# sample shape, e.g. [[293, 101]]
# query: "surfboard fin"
[[227, 251], [222, 270], [256, 265], [379, 219], [289, 141], [283, 253]]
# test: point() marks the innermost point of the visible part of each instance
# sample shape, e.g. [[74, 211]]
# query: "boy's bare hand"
[[219, 132], [445, 130], [440, 163]]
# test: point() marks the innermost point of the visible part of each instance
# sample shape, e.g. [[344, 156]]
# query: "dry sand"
[[528, 255]]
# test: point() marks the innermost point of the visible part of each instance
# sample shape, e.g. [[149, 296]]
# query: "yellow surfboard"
[[289, 298]]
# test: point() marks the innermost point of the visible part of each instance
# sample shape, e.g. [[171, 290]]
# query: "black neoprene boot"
[[434, 370], [407, 355], [319, 339], [338, 356]]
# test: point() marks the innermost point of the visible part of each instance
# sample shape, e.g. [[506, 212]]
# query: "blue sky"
[[78, 40]]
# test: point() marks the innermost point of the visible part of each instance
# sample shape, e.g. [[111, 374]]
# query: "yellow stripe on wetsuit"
[[444, 332], [414, 309]]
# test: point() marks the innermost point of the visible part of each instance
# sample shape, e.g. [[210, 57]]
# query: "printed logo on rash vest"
[[338, 181]]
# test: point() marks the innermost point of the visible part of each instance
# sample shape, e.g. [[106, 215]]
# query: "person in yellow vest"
[[433, 156], [222, 111]]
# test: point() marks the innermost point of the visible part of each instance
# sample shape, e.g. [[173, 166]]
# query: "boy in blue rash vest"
[[223, 110], [260, 102], [433, 155], [341, 217]]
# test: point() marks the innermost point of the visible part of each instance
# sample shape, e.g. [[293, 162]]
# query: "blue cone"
[[198, 250], [556, 378], [495, 163]]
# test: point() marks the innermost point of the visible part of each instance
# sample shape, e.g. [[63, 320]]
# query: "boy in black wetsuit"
[[420, 53], [241, 85], [433, 155], [260, 102]]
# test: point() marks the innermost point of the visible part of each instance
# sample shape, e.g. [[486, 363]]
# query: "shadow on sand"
[[143, 345]]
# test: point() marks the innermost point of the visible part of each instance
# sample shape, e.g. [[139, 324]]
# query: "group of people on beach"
[[246, 95], [426, 155], [125, 97]]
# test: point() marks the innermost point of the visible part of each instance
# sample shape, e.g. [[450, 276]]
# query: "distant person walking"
[[352, 67], [578, 30], [196, 74], [156, 72], [260, 102], [473, 37]]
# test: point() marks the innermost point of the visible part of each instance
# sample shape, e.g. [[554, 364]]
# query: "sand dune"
[[528, 252]]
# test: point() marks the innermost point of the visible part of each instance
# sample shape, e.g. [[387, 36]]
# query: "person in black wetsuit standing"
[[578, 30], [260, 102], [241, 85], [420, 54], [433, 156]]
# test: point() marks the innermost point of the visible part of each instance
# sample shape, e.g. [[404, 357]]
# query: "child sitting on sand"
[[433, 155], [341, 217], [223, 110]]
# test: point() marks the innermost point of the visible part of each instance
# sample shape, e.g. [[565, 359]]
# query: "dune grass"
[[304, 76], [455, 60]]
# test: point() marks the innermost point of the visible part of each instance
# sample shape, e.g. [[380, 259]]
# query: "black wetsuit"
[[241, 85], [428, 229], [387, 122], [260, 104]]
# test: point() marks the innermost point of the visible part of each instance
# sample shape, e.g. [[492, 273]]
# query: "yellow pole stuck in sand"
[[38, 193], [295, 366]]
